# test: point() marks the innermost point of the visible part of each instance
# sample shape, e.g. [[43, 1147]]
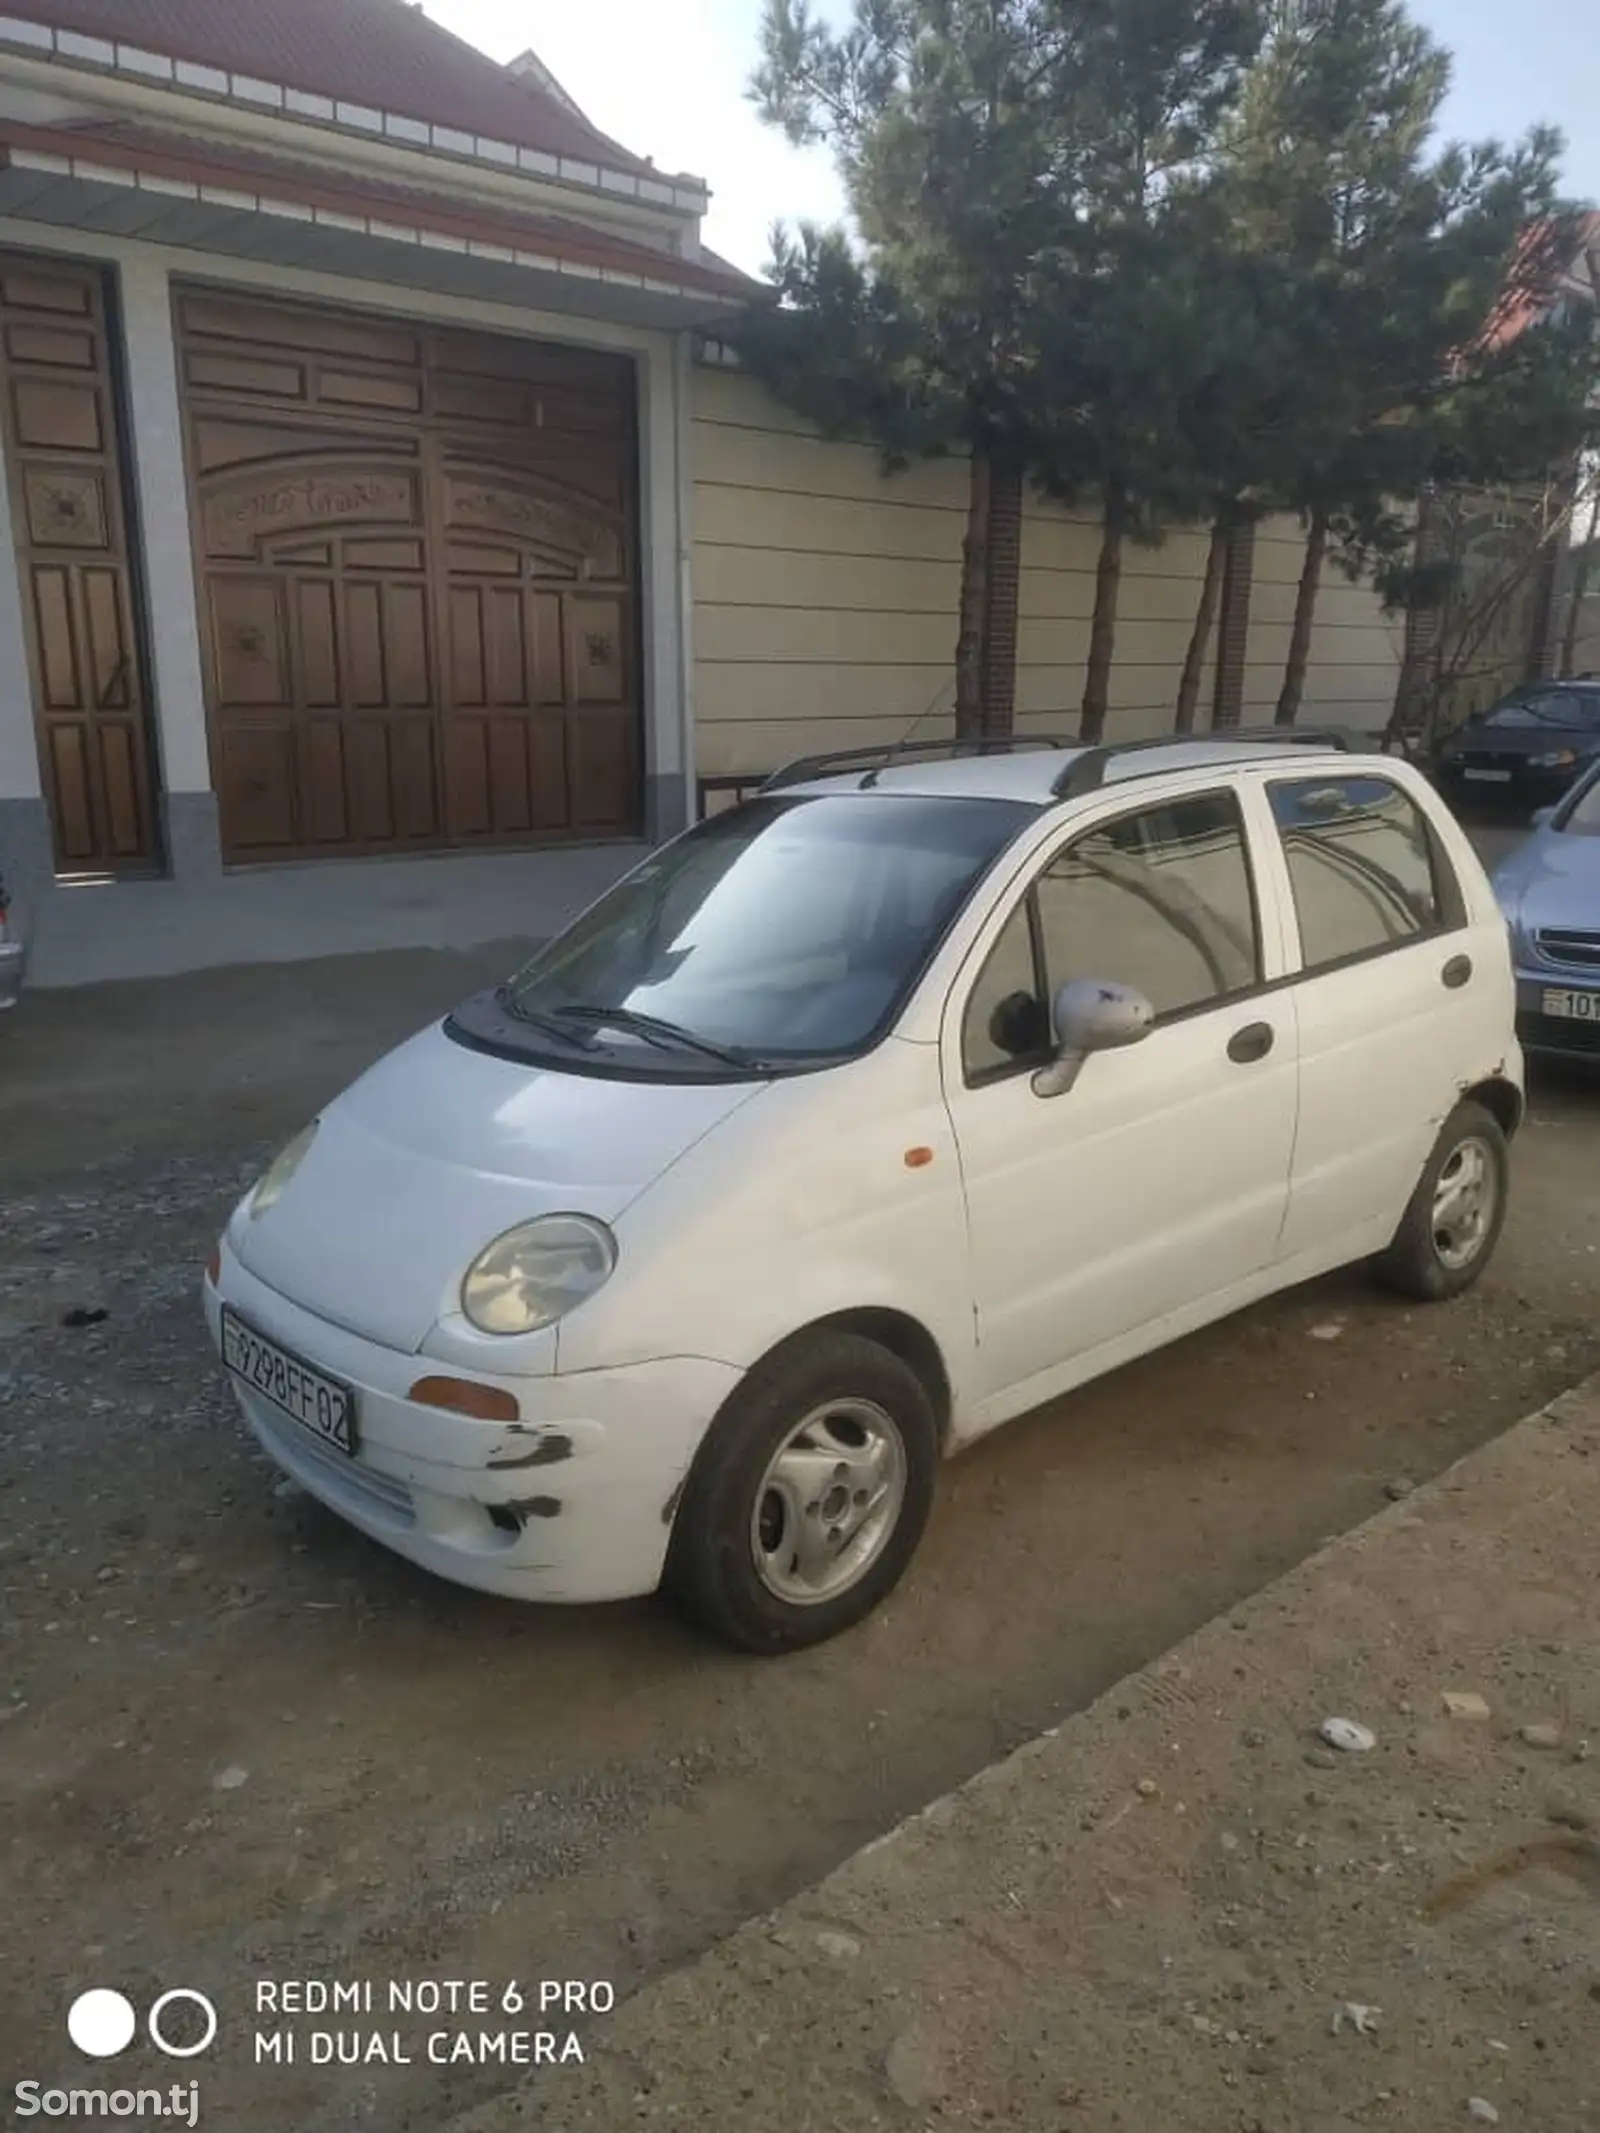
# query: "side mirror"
[[1091, 1015], [1542, 817]]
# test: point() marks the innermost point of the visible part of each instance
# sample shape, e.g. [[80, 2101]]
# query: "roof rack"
[[886, 754], [1087, 772]]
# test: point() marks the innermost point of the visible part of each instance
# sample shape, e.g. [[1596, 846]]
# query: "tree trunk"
[[1305, 609], [1103, 630], [974, 596], [999, 687], [1205, 616]]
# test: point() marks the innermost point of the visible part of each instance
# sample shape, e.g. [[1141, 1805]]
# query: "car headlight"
[[1555, 759], [536, 1273], [278, 1172]]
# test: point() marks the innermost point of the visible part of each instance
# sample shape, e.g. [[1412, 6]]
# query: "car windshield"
[[1576, 709], [785, 931]]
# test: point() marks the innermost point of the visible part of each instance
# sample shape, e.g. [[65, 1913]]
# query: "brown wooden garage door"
[[417, 562], [63, 454]]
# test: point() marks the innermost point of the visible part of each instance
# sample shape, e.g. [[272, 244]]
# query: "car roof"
[[1031, 775]]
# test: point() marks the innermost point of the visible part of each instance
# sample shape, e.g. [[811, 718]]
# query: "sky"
[[667, 79]]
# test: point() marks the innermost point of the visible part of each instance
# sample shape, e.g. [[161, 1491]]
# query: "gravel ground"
[[238, 1742], [1185, 1910]]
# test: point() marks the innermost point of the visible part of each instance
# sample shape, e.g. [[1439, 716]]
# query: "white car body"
[[1017, 1247]]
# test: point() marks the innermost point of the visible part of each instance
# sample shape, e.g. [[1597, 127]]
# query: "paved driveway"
[[238, 1743]]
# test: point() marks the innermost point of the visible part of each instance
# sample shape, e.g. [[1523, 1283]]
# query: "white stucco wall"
[[825, 599]]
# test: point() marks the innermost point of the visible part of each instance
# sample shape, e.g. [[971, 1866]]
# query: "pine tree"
[[1016, 171], [943, 117], [1400, 252]]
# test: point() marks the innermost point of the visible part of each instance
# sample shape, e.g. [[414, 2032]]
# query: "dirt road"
[[239, 1743]]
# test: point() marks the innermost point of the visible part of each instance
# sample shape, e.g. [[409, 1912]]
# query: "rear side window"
[[1367, 871]]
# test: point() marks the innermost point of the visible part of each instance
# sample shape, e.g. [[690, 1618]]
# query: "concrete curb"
[[1152, 1917]]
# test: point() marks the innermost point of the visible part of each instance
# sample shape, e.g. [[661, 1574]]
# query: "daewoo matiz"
[[861, 1118]]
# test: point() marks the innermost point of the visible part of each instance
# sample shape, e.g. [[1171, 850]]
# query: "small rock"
[[1541, 1736], [1253, 1737], [1322, 1759], [229, 1780], [105, 1574], [82, 1315], [1348, 1735], [1353, 2015], [1466, 1704], [1483, 2110], [186, 1566], [841, 1946], [1331, 1330], [1398, 1491], [915, 2068], [1148, 1789]]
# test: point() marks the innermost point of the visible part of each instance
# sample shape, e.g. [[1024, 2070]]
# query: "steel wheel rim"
[[828, 1502], [1464, 1197]]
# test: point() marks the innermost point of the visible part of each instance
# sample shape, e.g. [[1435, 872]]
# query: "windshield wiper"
[[658, 1032], [506, 1000]]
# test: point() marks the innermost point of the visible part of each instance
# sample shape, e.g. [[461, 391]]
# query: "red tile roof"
[[383, 53], [1538, 265], [186, 157]]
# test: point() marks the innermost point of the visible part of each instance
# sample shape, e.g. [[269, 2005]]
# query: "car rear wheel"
[[808, 1497], [1449, 1231]]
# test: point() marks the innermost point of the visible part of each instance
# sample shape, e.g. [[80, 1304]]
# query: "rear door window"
[[1366, 867]]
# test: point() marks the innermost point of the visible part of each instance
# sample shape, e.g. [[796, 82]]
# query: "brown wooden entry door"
[[63, 452], [417, 562]]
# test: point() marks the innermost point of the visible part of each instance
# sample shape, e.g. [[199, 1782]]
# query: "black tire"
[[712, 1570], [1418, 1263]]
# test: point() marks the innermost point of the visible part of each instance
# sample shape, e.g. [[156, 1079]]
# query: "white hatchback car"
[[857, 1120]]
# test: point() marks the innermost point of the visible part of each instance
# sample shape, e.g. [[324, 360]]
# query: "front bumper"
[[584, 1486], [1523, 789], [1556, 1036]]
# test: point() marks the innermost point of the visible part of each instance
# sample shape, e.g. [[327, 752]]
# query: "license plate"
[[1488, 777], [1573, 1006], [318, 1403]]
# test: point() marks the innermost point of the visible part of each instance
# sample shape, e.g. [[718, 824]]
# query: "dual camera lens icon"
[[102, 2023]]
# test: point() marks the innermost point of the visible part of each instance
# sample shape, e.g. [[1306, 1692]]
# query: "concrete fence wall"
[[825, 600]]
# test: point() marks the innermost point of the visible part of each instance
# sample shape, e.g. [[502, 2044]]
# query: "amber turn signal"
[[918, 1158], [462, 1396]]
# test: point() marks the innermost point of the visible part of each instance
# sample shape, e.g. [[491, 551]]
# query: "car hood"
[[1552, 880], [435, 1152]]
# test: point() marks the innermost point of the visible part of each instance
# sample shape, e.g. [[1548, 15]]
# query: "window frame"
[[1448, 895], [1027, 901]]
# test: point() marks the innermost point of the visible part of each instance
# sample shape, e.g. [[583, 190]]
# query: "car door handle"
[[1457, 971], [1252, 1042]]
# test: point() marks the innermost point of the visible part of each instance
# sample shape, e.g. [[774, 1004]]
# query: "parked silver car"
[[1549, 889], [13, 956]]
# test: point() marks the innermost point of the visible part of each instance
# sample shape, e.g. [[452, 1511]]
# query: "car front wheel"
[[1449, 1231], [808, 1497]]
